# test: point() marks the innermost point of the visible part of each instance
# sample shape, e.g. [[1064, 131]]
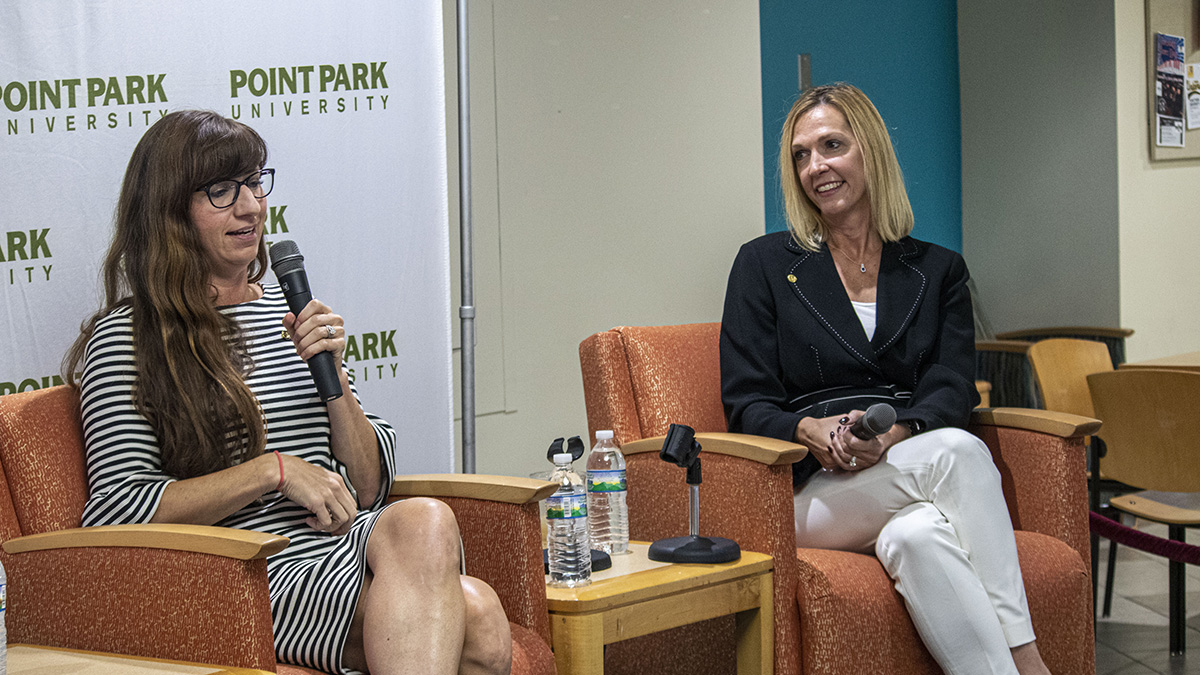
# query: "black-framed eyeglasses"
[[224, 193]]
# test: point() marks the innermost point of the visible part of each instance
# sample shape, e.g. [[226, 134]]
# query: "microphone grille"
[[285, 257], [879, 418]]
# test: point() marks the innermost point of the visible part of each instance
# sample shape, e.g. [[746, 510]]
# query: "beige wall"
[[1039, 166], [617, 167], [1063, 161], [1159, 213]]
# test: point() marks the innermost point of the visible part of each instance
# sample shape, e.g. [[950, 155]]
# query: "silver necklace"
[[862, 266]]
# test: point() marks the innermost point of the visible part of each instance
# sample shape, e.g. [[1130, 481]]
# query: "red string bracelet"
[[280, 458]]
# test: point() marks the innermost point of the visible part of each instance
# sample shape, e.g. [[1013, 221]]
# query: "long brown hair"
[[891, 214], [191, 359]]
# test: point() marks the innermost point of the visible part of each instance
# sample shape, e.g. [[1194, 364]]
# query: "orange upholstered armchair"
[[194, 593], [835, 612]]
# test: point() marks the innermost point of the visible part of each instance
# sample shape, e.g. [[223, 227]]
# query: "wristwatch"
[[915, 426]]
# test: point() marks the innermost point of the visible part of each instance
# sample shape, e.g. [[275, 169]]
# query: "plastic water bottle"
[[608, 516], [3, 631], [567, 536]]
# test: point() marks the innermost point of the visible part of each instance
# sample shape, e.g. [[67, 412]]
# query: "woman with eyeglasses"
[[198, 408]]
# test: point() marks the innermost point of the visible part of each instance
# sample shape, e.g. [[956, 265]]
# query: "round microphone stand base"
[[695, 549]]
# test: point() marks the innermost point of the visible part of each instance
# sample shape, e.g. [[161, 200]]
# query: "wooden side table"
[[639, 596], [34, 660], [1188, 361]]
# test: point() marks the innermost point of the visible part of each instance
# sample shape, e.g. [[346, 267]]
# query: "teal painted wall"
[[904, 56]]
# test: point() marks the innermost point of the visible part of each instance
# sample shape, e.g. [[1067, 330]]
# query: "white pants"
[[934, 514]]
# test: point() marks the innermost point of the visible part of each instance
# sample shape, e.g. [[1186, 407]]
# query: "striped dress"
[[315, 581]]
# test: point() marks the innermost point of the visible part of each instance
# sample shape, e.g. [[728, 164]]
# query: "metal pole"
[[694, 510], [466, 312]]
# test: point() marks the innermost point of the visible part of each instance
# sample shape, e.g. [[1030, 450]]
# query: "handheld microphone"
[[876, 420], [288, 266]]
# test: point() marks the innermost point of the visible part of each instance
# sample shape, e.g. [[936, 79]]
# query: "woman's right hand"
[[830, 441], [820, 435], [322, 492]]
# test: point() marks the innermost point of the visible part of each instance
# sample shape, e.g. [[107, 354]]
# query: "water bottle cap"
[[604, 434], [563, 458]]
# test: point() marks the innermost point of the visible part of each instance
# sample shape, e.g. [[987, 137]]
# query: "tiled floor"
[[1133, 640]]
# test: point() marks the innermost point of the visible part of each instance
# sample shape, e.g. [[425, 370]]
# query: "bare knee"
[[420, 531], [488, 644]]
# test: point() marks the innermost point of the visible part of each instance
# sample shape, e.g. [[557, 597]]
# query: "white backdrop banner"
[[350, 99]]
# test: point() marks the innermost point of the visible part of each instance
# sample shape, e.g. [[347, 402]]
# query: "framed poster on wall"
[[1172, 38]]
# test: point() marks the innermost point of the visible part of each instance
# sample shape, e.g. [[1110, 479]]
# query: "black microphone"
[[288, 266], [876, 420]]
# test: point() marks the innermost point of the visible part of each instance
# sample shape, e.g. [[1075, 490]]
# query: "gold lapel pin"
[[792, 278]]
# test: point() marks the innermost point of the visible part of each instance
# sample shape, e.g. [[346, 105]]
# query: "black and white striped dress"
[[316, 580]]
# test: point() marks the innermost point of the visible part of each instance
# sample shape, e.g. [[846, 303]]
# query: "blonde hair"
[[891, 213]]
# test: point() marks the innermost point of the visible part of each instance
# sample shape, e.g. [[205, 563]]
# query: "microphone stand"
[[694, 548]]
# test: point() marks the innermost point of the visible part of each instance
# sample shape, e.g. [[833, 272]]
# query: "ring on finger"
[[853, 462], [330, 331]]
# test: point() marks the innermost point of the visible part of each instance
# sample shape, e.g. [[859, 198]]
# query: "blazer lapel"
[[815, 282], [899, 292]]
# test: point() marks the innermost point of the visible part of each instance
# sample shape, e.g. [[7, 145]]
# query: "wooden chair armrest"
[[1098, 331], [223, 541], [506, 489], [1059, 424], [1010, 346], [761, 449]]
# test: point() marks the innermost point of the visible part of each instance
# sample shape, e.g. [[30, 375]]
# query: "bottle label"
[[606, 481], [566, 506]]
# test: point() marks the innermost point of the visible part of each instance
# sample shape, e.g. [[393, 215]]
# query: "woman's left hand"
[[855, 454], [316, 330]]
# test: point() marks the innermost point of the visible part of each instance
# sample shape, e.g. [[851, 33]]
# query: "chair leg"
[[1094, 505], [1109, 579], [1110, 573], [1095, 571], [1177, 609]]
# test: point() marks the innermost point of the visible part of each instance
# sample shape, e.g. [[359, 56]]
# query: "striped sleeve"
[[125, 473]]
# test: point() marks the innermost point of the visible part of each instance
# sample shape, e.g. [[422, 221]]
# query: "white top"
[[866, 314], [604, 434]]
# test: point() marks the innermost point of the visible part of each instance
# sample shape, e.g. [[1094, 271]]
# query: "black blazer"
[[793, 347]]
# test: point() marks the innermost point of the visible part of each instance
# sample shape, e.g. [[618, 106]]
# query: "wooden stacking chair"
[[1061, 367], [1001, 360], [1112, 338], [1150, 429], [1003, 364]]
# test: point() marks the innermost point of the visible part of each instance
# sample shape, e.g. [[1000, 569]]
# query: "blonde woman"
[[844, 310]]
